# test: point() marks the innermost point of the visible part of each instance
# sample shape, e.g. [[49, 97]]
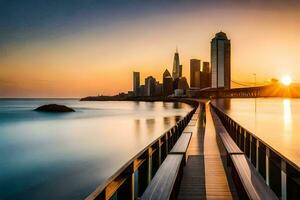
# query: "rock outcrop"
[[54, 108]]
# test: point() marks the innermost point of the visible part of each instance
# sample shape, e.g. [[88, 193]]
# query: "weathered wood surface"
[[192, 123], [190, 129], [182, 143], [204, 176], [161, 186], [229, 144], [252, 181], [195, 116], [193, 182], [253, 184]]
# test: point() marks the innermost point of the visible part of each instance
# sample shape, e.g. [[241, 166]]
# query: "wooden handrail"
[[281, 174], [218, 111], [124, 176]]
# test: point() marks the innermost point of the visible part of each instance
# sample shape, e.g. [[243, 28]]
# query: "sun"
[[286, 80]]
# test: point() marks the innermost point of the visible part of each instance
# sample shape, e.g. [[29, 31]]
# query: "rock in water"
[[54, 108]]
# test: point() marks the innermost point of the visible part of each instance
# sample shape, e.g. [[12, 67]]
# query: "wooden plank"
[[182, 143], [192, 123], [137, 163], [161, 186], [193, 181], [195, 117], [216, 182], [252, 181], [229, 144], [114, 186], [191, 129], [204, 176]]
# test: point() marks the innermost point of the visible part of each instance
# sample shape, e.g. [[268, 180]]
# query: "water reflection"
[[167, 121], [177, 118], [150, 125], [287, 118], [165, 105], [40, 153], [287, 114], [137, 126], [176, 105], [276, 122]]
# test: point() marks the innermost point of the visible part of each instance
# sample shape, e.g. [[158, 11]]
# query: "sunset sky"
[[64, 48]]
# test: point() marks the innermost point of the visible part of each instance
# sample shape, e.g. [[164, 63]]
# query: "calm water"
[[66, 156], [274, 120]]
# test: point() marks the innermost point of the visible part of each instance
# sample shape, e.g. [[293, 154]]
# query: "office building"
[[195, 73], [150, 86], [167, 83], [136, 83], [158, 89], [180, 83], [142, 90], [166, 73], [197, 79], [180, 71], [205, 76], [180, 86], [220, 61], [177, 69], [205, 67]]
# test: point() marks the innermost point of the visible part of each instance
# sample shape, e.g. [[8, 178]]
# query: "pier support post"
[[283, 180], [247, 145], [254, 151], [126, 191], [267, 166], [292, 182], [262, 159], [257, 155], [143, 177], [275, 173]]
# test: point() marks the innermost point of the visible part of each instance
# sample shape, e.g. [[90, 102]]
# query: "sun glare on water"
[[286, 80]]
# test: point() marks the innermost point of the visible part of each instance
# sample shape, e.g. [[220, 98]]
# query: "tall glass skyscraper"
[[195, 65], [177, 68], [136, 83], [220, 61]]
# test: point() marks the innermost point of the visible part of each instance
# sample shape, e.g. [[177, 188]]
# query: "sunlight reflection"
[[287, 114]]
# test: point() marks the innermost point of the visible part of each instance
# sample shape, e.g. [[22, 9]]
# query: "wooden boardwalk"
[[204, 176]]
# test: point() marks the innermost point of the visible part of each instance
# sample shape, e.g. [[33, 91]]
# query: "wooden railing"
[[131, 180], [280, 174]]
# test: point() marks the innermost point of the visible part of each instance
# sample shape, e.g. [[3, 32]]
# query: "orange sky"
[[100, 60]]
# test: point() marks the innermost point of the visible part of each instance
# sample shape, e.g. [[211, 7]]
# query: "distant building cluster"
[[202, 75]]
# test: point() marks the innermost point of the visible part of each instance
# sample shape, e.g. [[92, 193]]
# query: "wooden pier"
[[204, 156], [204, 176]]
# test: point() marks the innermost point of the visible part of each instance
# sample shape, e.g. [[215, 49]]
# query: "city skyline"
[[75, 50]]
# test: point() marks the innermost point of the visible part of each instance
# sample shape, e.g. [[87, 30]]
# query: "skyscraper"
[[166, 73], [158, 89], [220, 61], [150, 86], [167, 83], [194, 73], [205, 67], [180, 71], [177, 70], [205, 76], [136, 83]]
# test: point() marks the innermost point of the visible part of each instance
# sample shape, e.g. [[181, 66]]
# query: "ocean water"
[[273, 120], [67, 155]]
